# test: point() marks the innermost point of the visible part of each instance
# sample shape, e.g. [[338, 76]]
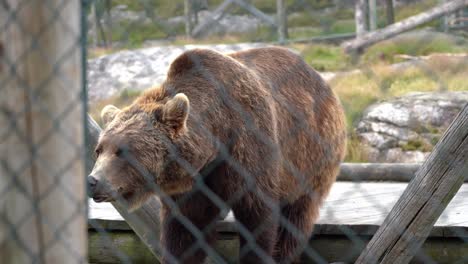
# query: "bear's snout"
[[92, 182], [96, 190]]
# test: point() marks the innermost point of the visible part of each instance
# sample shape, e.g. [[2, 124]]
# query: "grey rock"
[[405, 129], [140, 69], [229, 24]]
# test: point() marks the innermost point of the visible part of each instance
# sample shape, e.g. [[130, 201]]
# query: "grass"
[[417, 43], [378, 82], [414, 145], [304, 13], [323, 57], [162, 8], [342, 26], [132, 35]]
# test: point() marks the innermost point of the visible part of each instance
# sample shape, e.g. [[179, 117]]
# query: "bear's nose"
[[92, 182]]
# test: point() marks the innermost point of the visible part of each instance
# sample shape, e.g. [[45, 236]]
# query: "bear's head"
[[138, 150]]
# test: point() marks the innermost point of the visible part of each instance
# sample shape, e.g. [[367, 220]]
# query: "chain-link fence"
[[43, 105], [232, 156]]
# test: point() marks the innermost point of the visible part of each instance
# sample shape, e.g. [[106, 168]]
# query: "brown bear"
[[256, 131]]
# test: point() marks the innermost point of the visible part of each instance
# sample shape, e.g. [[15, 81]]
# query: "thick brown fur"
[[279, 129]]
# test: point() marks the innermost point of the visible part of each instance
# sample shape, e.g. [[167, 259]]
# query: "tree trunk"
[[410, 221], [402, 26], [373, 15], [188, 14], [42, 124], [281, 21], [390, 12], [360, 15]]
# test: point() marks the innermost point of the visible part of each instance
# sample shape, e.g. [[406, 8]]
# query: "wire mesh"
[[219, 208]]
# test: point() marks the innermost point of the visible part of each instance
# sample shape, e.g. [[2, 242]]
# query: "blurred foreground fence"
[[47, 149], [43, 205]]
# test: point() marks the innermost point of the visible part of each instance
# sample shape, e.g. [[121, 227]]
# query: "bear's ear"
[[108, 113], [175, 112]]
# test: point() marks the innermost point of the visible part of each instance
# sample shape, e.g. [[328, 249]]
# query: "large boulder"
[[405, 129], [140, 69]]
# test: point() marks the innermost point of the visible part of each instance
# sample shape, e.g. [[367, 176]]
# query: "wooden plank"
[[145, 220], [359, 206], [334, 38], [410, 221], [364, 172], [364, 40], [42, 120], [350, 216], [125, 247]]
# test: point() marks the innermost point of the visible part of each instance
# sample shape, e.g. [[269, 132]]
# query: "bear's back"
[[290, 101], [310, 119]]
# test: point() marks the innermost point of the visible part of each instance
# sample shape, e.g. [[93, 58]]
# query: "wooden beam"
[[254, 11], [216, 16], [145, 220], [365, 172], [42, 133], [368, 39], [410, 221], [335, 38]]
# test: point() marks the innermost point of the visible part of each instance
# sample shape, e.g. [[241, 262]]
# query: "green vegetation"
[[342, 26], [413, 145], [311, 17], [415, 44], [324, 57], [162, 8], [133, 34], [382, 81]]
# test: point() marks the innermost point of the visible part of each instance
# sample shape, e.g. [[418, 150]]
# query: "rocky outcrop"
[[229, 24], [406, 128], [140, 69]]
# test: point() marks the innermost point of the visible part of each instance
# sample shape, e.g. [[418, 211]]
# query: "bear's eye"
[[118, 152], [98, 151]]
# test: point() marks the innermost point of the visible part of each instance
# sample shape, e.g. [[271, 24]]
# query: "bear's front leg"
[[259, 219], [177, 238]]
